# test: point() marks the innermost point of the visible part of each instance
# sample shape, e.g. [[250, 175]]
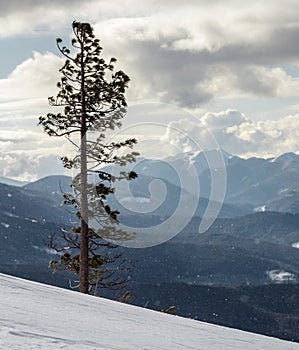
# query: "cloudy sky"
[[200, 70]]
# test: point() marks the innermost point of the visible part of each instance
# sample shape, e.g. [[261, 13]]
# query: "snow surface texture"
[[36, 316]]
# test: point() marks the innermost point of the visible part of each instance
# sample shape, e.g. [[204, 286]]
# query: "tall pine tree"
[[91, 98]]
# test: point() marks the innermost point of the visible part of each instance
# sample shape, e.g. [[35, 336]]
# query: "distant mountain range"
[[253, 242], [254, 184], [261, 183], [235, 250]]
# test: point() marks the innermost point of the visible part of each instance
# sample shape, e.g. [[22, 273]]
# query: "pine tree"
[[91, 98]]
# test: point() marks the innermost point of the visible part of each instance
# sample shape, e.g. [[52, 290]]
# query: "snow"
[[5, 224], [283, 190], [262, 208], [47, 250], [32, 220], [280, 276], [12, 215], [137, 199], [37, 316], [295, 245]]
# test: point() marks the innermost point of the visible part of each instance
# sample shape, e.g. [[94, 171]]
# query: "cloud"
[[24, 93], [29, 167], [182, 53], [185, 55], [29, 17], [25, 151], [35, 78], [10, 7], [237, 134]]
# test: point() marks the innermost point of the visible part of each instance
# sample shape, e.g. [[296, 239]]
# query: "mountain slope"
[[27, 218], [53, 185], [34, 205], [11, 182], [39, 316], [286, 202]]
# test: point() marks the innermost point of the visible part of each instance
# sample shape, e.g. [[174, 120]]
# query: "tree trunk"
[[84, 273], [84, 269]]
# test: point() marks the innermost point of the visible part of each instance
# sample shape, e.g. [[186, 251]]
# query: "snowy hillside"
[[36, 316]]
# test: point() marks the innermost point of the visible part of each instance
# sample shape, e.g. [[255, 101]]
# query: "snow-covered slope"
[[35, 316]]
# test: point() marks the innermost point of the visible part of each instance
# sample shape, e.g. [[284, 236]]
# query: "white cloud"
[[181, 52], [238, 134], [185, 55], [249, 81], [24, 96], [29, 154], [33, 79], [26, 152], [28, 166]]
